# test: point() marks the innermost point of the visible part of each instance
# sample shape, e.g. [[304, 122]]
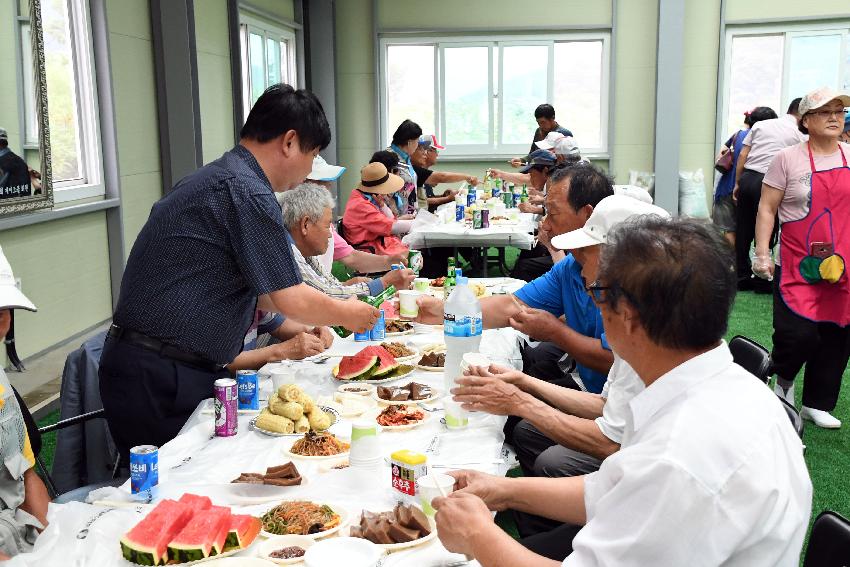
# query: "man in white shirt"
[[761, 144], [710, 470]]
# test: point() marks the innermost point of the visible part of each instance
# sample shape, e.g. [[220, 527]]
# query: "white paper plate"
[[343, 552], [435, 395], [391, 547], [207, 561], [335, 416], [379, 381], [278, 542], [374, 415], [344, 517], [431, 368], [410, 357], [344, 454], [217, 561], [349, 384], [401, 334]]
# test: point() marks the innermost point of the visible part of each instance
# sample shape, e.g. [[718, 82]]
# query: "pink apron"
[[813, 250]]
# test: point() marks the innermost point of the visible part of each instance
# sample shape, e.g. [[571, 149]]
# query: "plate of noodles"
[[302, 517], [318, 446]]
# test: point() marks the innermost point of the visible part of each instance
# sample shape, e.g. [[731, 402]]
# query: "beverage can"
[[379, 331], [476, 218], [497, 190], [397, 267], [362, 337], [225, 402], [485, 218], [248, 385], [470, 197], [144, 471], [407, 468], [517, 199], [508, 199], [460, 210], [415, 261]]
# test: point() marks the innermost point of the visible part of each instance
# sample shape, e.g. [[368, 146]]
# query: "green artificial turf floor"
[[827, 451]]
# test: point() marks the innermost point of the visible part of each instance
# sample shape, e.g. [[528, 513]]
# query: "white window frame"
[[249, 24], [788, 31], [90, 183], [495, 149]]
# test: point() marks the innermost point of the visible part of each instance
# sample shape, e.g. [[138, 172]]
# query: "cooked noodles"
[[313, 445], [299, 518]]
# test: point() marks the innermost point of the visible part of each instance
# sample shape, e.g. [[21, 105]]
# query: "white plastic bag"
[[692, 199]]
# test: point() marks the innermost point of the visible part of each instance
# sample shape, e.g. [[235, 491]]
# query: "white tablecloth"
[[198, 462], [459, 234]]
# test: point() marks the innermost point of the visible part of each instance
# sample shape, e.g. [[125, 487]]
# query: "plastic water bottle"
[[462, 326]]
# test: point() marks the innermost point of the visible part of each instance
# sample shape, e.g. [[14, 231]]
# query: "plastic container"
[[462, 326]]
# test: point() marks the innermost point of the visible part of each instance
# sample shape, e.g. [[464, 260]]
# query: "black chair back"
[[793, 415], [753, 357], [339, 228], [829, 542]]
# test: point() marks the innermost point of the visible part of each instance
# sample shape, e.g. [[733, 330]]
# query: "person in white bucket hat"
[[23, 496]]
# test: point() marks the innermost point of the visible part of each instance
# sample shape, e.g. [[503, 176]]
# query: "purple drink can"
[[460, 210], [485, 218], [144, 471], [225, 401], [379, 331], [248, 385]]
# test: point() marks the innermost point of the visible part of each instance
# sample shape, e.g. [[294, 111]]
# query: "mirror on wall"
[[25, 151]]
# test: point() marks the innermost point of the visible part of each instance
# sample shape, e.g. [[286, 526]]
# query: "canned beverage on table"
[[415, 261], [460, 211], [517, 199], [362, 337], [407, 467], [485, 218], [248, 386], [470, 197], [225, 402], [144, 471], [476, 218], [379, 331], [497, 190]]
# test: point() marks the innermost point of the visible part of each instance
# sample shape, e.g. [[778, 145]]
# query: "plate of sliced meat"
[[411, 393], [400, 528]]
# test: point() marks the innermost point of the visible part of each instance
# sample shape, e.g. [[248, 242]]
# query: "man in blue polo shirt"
[[534, 309]]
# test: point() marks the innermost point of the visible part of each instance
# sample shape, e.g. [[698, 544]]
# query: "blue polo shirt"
[[560, 291]]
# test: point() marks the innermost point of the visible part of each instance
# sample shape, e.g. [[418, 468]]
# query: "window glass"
[[466, 95], [410, 87], [63, 110], [756, 78], [257, 60], [274, 63], [578, 90], [815, 61], [525, 77]]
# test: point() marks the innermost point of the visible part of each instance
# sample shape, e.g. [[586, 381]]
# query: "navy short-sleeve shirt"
[[208, 249]]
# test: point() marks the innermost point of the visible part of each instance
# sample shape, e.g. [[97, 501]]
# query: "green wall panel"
[[214, 85]]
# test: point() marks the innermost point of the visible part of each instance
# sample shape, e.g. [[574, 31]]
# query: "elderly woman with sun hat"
[[367, 222]]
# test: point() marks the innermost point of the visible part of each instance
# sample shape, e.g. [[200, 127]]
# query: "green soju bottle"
[[373, 301]]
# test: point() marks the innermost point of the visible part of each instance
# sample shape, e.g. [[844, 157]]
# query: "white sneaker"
[[787, 395], [820, 418]]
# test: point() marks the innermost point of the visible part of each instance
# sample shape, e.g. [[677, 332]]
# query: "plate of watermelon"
[[372, 365], [188, 531]]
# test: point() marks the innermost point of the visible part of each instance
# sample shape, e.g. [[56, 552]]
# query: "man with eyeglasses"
[[563, 432], [710, 470], [423, 159], [764, 140]]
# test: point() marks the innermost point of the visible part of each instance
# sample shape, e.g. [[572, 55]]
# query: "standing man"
[[762, 143], [212, 251], [545, 117], [14, 173], [423, 160]]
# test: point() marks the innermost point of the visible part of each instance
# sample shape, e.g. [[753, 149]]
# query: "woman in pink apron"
[[808, 185]]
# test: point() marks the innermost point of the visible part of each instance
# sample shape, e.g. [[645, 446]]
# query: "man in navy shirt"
[[534, 309], [213, 250], [545, 117]]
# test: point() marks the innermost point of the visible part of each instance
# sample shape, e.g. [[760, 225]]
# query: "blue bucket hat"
[[539, 157]]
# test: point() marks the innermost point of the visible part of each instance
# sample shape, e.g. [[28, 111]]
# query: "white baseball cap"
[[610, 212], [323, 171], [549, 141], [10, 296], [633, 191], [566, 146]]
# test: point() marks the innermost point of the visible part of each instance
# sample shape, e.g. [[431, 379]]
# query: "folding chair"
[[829, 542]]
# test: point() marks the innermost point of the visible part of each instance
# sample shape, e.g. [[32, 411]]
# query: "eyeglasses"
[[595, 290], [829, 113]]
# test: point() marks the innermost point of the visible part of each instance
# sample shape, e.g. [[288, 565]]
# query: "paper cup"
[[282, 376], [421, 284], [456, 416], [429, 488], [408, 309], [365, 449]]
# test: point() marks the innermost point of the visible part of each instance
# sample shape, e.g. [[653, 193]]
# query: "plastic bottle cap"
[[462, 280]]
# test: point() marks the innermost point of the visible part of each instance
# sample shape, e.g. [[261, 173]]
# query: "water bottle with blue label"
[[462, 326]]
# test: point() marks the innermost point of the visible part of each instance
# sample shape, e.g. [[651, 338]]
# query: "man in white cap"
[[709, 471], [23, 497], [564, 432]]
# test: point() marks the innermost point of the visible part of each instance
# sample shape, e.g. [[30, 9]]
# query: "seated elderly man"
[[307, 213], [23, 497], [710, 470], [535, 308], [292, 341], [563, 432]]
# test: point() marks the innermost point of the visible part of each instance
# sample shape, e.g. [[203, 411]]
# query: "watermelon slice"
[[356, 367], [196, 503], [196, 540], [243, 531], [220, 539], [147, 543], [386, 361]]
